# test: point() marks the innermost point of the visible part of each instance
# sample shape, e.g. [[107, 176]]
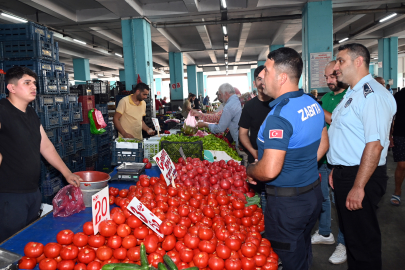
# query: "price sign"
[[166, 166], [173, 86], [140, 211], [158, 93], [100, 207], [156, 123], [178, 85]]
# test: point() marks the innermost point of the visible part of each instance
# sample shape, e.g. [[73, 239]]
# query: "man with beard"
[[128, 116], [359, 141], [324, 234]]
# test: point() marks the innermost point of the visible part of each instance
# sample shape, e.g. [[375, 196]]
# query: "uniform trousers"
[[360, 227]]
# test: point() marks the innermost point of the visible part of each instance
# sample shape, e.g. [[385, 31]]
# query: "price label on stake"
[[166, 166], [156, 123], [145, 215], [100, 207]]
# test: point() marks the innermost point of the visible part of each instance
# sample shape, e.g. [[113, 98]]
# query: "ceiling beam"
[[192, 5], [252, 3], [205, 37], [52, 8], [263, 54], [137, 6], [110, 35], [242, 40], [99, 61], [343, 21], [286, 32], [168, 37], [188, 60]]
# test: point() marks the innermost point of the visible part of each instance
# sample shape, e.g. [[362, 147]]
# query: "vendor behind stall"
[[187, 105], [22, 142]]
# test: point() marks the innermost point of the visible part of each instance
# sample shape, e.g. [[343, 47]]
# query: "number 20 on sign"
[[100, 207]]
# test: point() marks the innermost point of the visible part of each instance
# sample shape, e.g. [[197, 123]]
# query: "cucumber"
[[169, 262], [161, 266], [127, 268], [111, 266], [144, 259]]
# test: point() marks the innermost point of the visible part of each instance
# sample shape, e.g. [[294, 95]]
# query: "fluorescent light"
[[226, 62], [226, 55], [343, 40], [224, 30], [13, 17], [100, 74], [117, 54], [226, 46], [79, 41], [223, 3], [388, 17], [375, 58]]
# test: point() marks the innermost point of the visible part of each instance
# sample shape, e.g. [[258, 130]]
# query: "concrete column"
[[81, 68], [249, 78], [137, 45], [261, 63], [317, 37], [200, 83], [371, 69], [176, 76], [122, 75], [388, 55], [205, 88], [275, 47], [252, 78], [192, 79], [158, 87]]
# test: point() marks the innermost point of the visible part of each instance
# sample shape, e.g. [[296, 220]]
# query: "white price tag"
[[145, 215], [100, 207], [166, 166], [156, 123]]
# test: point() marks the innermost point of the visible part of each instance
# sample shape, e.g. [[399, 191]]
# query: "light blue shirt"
[[364, 115], [229, 118]]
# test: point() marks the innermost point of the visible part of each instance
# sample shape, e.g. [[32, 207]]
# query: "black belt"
[[290, 191], [341, 167]]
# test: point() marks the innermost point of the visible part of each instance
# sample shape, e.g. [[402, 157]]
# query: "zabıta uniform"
[[131, 119], [294, 198]]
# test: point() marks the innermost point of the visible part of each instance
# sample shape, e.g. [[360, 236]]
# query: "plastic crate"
[[150, 149], [56, 51], [102, 98], [3, 95], [60, 149], [103, 139], [87, 104], [118, 98], [65, 116], [48, 85], [90, 161], [64, 133], [51, 186], [82, 89], [45, 101], [103, 108], [58, 67], [190, 149], [88, 136], [23, 31], [75, 130], [32, 48], [76, 113], [73, 99], [40, 66], [79, 143], [52, 135], [70, 147], [61, 100], [63, 84], [104, 162], [50, 118]]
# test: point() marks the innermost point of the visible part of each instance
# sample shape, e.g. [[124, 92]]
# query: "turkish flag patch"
[[276, 134]]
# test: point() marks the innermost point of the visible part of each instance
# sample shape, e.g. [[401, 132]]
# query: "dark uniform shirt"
[[399, 124]]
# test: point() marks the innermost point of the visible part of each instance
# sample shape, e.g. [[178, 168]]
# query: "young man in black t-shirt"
[[22, 142]]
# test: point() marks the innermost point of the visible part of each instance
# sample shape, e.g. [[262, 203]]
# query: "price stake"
[[166, 166], [145, 215], [156, 123], [100, 208]]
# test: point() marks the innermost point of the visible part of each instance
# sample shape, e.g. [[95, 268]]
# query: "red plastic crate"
[[88, 103]]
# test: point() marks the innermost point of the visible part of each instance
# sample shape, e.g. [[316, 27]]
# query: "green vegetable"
[[144, 259], [169, 262], [132, 267], [253, 200], [161, 266], [126, 140], [120, 266]]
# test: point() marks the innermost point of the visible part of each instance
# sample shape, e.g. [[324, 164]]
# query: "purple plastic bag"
[[68, 201]]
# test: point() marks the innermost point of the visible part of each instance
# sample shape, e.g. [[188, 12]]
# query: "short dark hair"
[[191, 95], [141, 87], [17, 72], [355, 50], [155, 96], [389, 86], [257, 71], [288, 61]]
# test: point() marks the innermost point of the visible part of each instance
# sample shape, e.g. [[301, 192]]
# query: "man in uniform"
[[291, 140], [128, 115], [324, 234], [358, 149]]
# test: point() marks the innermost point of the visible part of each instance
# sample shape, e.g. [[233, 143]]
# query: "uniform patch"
[[367, 89], [276, 133], [348, 102]]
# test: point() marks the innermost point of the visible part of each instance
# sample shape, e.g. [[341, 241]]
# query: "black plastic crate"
[[87, 135], [40, 66], [56, 51], [70, 147], [79, 143], [64, 133], [100, 87], [75, 130], [24, 31], [73, 99], [118, 98], [50, 118], [45, 101], [50, 186], [103, 139], [190, 149], [90, 161], [120, 155], [31, 48], [63, 84], [103, 108], [48, 85], [104, 163], [82, 89], [60, 149], [76, 112], [65, 116], [61, 100], [102, 98]]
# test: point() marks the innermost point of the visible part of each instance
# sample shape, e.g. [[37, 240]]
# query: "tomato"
[[249, 249], [33, 249], [27, 263], [233, 242], [96, 241], [169, 242], [104, 253], [95, 265], [184, 210], [141, 232], [259, 259], [66, 265], [238, 204], [191, 241], [118, 217], [208, 211], [65, 237], [248, 263], [166, 227], [128, 241], [216, 263], [154, 259], [57, 259], [222, 234], [223, 251], [207, 246], [86, 255], [47, 264], [52, 250], [148, 166], [151, 243], [80, 239], [205, 233], [270, 266], [185, 221], [273, 255], [123, 230], [247, 221], [186, 255], [80, 266], [134, 253], [114, 241], [233, 264], [134, 222], [69, 252]]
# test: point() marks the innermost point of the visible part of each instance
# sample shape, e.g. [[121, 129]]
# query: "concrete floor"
[[392, 225]]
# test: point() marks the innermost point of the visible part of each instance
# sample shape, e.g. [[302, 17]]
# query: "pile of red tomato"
[[203, 226]]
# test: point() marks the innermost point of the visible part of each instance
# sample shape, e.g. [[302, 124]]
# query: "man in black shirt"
[[22, 142], [397, 141], [197, 104]]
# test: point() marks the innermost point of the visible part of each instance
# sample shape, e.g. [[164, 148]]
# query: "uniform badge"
[[276, 133], [367, 89], [348, 102]]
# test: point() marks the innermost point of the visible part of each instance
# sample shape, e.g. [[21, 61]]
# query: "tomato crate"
[[87, 135], [61, 100], [103, 163], [120, 155], [103, 108], [51, 186], [89, 151], [40, 66], [65, 116], [76, 112], [90, 161], [87, 104], [190, 149], [48, 85], [102, 98], [118, 98], [70, 146], [44, 101], [151, 148], [31, 48], [50, 118], [24, 31], [60, 149]]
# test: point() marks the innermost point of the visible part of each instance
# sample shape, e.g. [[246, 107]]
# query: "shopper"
[[290, 142], [22, 142], [358, 149], [324, 234], [197, 104], [230, 114], [389, 89], [129, 113], [397, 139], [163, 101], [158, 105], [206, 100], [187, 105], [380, 80]]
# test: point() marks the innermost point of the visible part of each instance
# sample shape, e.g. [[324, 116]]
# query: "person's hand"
[[391, 142], [355, 198], [331, 179], [255, 154], [127, 135], [73, 179], [251, 181], [195, 113], [151, 132], [1, 159], [201, 124]]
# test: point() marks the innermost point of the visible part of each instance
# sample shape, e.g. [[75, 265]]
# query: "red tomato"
[[249, 249], [134, 253], [201, 259], [166, 227], [145, 160], [148, 166], [52, 250], [86, 255], [141, 232], [104, 253], [80, 239], [134, 222], [129, 241], [88, 228], [248, 263], [120, 253], [259, 259], [223, 251], [115, 241], [151, 243], [65, 237], [270, 266], [27, 263], [118, 217], [205, 233], [123, 230], [95, 265], [169, 242], [69, 252], [186, 255], [80, 266], [96, 241], [155, 258], [207, 246], [66, 265], [33, 249], [233, 264], [107, 228], [233, 242], [191, 241], [47, 264], [264, 250], [216, 263]]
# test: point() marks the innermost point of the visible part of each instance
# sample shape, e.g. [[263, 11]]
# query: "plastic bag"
[[68, 201], [190, 120], [98, 119], [93, 128]]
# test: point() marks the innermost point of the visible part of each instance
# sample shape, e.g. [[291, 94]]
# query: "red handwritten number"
[[104, 207], [98, 217], [159, 164]]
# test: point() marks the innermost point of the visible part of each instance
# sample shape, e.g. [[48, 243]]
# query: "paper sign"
[[380, 64], [318, 62], [173, 86], [178, 85], [166, 166], [156, 123], [100, 207], [145, 215]]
